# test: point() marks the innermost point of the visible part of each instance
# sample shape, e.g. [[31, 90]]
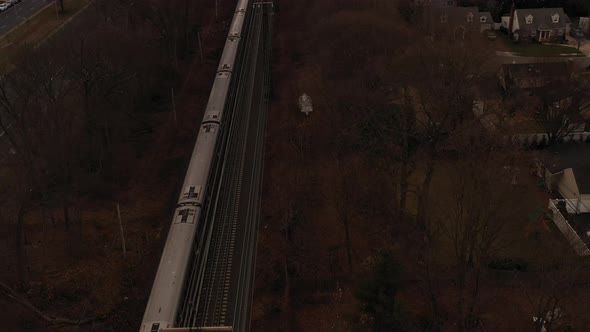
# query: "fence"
[[538, 138], [570, 234]]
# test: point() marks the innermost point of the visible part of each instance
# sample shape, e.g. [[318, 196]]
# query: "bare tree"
[[34, 98], [346, 198], [441, 95], [480, 207], [14, 123], [101, 82], [557, 275], [564, 106], [59, 4]]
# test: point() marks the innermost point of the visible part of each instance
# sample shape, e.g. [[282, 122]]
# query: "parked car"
[[491, 35], [4, 6]]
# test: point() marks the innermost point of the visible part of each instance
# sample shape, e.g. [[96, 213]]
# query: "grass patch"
[[541, 50], [36, 29]]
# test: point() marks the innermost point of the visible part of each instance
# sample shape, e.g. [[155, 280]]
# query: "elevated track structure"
[[205, 278]]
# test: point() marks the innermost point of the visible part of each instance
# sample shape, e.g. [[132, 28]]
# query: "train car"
[[163, 304]]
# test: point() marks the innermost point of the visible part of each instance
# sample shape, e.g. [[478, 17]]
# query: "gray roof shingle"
[[570, 155], [458, 15], [542, 18], [488, 16]]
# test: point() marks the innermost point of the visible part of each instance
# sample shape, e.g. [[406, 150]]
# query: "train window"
[[155, 327], [191, 193], [185, 216], [209, 128]]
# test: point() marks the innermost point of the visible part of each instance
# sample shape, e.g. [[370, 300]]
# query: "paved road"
[[20, 12], [579, 62]]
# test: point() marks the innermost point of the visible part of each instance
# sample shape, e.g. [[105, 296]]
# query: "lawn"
[[543, 50], [36, 29]]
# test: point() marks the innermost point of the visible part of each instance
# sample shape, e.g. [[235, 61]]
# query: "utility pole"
[[121, 231], [200, 46], [216, 9], [173, 104]]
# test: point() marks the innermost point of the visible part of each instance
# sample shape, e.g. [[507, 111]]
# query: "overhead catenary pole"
[[121, 230], [173, 104], [200, 46]]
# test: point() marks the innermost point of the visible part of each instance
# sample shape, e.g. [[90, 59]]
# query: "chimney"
[[511, 22]]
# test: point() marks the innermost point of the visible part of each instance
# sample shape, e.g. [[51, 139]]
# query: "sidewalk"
[[584, 45]]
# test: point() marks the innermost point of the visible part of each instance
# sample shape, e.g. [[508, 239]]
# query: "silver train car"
[[164, 300]]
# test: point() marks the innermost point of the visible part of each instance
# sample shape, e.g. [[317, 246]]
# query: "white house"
[[539, 24], [566, 169]]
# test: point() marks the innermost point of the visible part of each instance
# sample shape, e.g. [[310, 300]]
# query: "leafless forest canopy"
[[88, 124], [388, 208], [391, 207]]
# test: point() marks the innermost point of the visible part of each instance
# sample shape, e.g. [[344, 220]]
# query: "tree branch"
[[11, 294]]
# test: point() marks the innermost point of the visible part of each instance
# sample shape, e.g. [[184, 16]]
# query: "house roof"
[[576, 156], [488, 15], [458, 15], [542, 18]]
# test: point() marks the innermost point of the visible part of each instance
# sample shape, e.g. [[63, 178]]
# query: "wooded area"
[[388, 208], [87, 124], [391, 208]]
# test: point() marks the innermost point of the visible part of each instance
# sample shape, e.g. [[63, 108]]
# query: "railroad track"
[[219, 287]]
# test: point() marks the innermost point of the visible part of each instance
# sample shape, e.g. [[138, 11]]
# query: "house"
[[505, 22], [539, 24], [566, 170], [584, 25], [456, 21], [533, 75], [485, 21]]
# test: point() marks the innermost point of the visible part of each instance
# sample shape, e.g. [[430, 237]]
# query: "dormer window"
[[482, 19], [555, 18], [529, 19], [470, 17], [444, 18]]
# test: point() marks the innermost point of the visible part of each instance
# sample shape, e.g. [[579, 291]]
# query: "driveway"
[[584, 44]]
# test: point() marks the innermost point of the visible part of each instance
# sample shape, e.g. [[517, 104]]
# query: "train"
[[164, 300]]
